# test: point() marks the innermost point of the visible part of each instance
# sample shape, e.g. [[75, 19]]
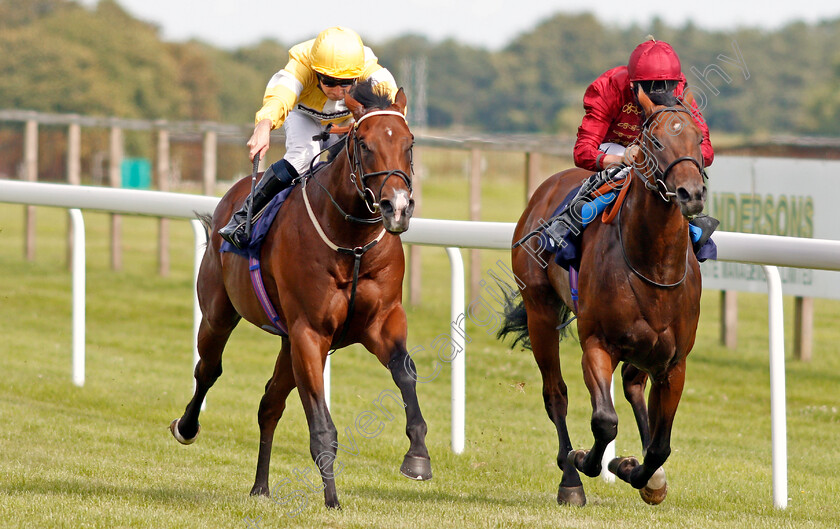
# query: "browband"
[[380, 113]]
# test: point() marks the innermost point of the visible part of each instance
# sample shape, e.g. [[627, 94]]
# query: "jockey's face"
[[335, 89], [335, 93]]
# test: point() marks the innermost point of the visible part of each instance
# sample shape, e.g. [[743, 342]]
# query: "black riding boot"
[[571, 217], [708, 225], [276, 178]]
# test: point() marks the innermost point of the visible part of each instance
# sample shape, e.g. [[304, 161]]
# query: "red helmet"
[[654, 60]]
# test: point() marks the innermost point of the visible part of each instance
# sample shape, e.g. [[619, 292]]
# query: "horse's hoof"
[[571, 496], [656, 489], [260, 490], [418, 468], [173, 427], [621, 467], [575, 457]]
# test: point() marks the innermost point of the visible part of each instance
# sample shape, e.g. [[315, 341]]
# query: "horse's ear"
[[400, 100], [688, 97], [356, 108], [645, 102]]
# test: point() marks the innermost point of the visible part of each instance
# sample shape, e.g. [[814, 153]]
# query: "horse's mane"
[[369, 97], [660, 92], [667, 99]]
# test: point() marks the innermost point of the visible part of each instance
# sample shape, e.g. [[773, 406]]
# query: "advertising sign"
[[774, 196]]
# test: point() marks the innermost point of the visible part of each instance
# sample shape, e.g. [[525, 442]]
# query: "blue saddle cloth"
[[252, 253], [259, 228], [567, 251]]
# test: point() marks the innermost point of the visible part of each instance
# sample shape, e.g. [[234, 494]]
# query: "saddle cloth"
[[259, 229]]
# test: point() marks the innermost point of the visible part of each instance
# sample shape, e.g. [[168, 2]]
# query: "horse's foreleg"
[[389, 347], [417, 463], [211, 344], [634, 381], [308, 358], [271, 409], [542, 330], [649, 477], [598, 367]]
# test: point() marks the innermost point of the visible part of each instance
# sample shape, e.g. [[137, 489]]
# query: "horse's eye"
[[657, 143], [363, 146]]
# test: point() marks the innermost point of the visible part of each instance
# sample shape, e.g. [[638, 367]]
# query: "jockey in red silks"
[[613, 119]]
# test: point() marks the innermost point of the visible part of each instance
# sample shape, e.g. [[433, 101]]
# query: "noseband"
[[356, 168], [659, 175]]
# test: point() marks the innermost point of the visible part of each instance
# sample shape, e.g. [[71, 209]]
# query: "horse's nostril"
[[683, 195], [386, 206], [409, 211]]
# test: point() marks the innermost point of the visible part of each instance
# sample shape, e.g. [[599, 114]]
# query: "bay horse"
[[333, 266], [638, 300]]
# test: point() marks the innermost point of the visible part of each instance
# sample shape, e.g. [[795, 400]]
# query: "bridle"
[[357, 171], [360, 183], [364, 191], [658, 174]]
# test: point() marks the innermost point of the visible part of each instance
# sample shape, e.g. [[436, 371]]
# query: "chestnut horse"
[[639, 300], [333, 265]]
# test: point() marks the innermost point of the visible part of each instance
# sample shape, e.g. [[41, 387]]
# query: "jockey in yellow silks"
[[305, 97]]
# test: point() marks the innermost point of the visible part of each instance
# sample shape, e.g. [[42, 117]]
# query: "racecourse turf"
[[102, 455]]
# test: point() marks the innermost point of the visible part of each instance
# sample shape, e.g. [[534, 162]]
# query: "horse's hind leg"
[[649, 477], [308, 357], [218, 320], [634, 381], [271, 409], [542, 330]]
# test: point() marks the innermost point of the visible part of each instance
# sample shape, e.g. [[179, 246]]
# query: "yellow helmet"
[[338, 52]]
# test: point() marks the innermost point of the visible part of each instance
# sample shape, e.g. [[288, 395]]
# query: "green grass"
[[102, 455]]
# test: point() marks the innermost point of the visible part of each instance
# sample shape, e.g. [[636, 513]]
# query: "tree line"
[[59, 56]]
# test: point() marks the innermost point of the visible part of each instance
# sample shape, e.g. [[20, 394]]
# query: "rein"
[[639, 274]]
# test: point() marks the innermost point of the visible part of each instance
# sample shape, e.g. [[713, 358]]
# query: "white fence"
[[769, 251]]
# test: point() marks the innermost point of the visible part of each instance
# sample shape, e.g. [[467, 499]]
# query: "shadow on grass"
[[86, 488]]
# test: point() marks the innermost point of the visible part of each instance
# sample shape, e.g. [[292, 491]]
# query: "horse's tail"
[[206, 220], [515, 316]]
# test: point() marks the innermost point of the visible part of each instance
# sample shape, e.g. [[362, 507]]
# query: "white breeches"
[[300, 147]]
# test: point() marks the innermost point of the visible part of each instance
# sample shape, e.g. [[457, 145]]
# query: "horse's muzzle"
[[397, 212], [691, 199]]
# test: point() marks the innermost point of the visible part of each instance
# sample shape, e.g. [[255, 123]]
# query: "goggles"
[[332, 82]]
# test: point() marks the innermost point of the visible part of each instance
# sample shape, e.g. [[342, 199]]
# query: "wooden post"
[[74, 177], [533, 162], [729, 318], [803, 328], [163, 185], [74, 154], [475, 215], [210, 146], [30, 174], [415, 287], [115, 180]]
